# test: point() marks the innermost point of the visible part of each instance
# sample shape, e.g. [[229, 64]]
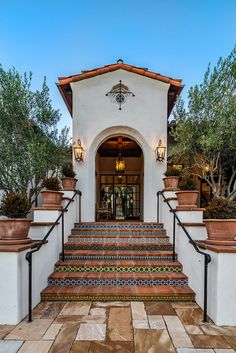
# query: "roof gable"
[[65, 89]]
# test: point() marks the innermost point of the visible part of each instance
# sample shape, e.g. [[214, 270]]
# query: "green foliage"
[[187, 183], [15, 205], [30, 145], [51, 183], [67, 171], [205, 131], [171, 171], [220, 208]]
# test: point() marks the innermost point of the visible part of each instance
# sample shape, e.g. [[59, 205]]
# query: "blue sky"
[[60, 38]]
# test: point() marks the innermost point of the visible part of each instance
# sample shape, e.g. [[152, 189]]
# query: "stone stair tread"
[[122, 290], [120, 275], [119, 262]]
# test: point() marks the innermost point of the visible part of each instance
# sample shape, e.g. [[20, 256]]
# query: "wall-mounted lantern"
[[160, 152], [78, 152]]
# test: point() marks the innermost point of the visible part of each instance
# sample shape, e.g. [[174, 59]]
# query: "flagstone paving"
[[117, 327]]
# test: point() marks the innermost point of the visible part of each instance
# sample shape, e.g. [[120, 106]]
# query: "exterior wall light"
[[160, 152], [120, 165], [79, 152]]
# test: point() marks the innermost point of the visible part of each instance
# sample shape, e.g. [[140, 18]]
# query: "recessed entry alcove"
[[119, 178]]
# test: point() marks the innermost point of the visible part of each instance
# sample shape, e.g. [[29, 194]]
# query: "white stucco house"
[[120, 114], [120, 110]]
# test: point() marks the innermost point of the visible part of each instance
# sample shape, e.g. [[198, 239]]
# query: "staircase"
[[118, 261]]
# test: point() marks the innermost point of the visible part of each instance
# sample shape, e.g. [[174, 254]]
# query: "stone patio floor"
[[117, 327]]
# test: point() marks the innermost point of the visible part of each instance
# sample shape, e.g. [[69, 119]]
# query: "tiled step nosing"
[[122, 257], [90, 278], [118, 226], [112, 263], [92, 275], [160, 255], [115, 233], [118, 268], [116, 293], [118, 246], [117, 236], [89, 240], [117, 282]]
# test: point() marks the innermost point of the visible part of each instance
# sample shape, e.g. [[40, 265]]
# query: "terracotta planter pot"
[[69, 184], [221, 231], [51, 198], [171, 182], [14, 231], [187, 198]]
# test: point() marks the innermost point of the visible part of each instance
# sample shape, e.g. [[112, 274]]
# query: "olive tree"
[[205, 131], [30, 145]]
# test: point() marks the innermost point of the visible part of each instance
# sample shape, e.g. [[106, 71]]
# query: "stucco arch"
[[118, 130], [88, 213]]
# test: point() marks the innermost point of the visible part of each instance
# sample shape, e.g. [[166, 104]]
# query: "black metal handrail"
[[28, 255], [207, 257]]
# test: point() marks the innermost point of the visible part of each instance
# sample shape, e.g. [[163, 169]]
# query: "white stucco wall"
[[14, 267], [142, 118], [221, 269]]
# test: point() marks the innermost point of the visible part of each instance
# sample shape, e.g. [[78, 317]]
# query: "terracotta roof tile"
[[110, 68], [174, 90]]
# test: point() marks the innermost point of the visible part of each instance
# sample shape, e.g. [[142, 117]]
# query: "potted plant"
[[52, 196], [14, 226], [171, 179], [68, 181], [187, 195], [220, 221]]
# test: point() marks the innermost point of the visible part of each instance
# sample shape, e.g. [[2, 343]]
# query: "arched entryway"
[[119, 191]]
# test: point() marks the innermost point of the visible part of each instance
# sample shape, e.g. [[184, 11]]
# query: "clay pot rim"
[[16, 219], [69, 178], [171, 177], [187, 191], [219, 220], [52, 191]]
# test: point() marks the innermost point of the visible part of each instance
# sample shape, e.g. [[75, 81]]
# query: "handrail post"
[[192, 242], [62, 236], [158, 207], [80, 207], [205, 288], [173, 254], [29, 259]]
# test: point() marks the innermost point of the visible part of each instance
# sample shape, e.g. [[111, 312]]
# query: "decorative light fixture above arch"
[[119, 94]]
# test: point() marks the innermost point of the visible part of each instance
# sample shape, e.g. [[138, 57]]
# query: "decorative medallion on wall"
[[119, 94]]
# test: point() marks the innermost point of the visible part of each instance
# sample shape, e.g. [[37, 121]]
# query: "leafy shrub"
[[67, 171], [187, 183], [220, 208], [15, 205], [171, 171], [51, 183]]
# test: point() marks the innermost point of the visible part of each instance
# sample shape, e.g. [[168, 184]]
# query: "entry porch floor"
[[117, 327]]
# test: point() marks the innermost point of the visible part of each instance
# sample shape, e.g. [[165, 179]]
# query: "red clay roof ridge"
[[113, 67]]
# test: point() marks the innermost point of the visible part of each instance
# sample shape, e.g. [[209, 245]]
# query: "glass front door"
[[121, 193]]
